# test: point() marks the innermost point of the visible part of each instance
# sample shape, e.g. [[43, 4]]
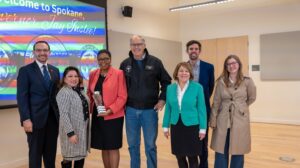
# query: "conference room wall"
[[277, 101], [160, 30], [162, 37], [146, 22], [168, 51]]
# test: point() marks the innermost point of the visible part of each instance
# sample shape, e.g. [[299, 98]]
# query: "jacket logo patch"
[[149, 67], [128, 68]]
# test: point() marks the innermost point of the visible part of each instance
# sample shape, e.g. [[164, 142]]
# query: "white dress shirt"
[[41, 67]]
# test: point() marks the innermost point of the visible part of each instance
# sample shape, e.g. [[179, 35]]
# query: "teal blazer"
[[193, 109]]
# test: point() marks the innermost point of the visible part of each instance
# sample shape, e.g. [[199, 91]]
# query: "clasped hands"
[[167, 134], [103, 112]]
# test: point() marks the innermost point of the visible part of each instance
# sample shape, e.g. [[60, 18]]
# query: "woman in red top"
[[107, 124]]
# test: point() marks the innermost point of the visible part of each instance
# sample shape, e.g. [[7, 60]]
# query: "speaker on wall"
[[127, 11]]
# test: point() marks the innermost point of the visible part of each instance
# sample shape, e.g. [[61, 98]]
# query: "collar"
[[143, 57], [185, 86], [146, 53], [109, 72], [196, 65], [40, 64], [198, 62]]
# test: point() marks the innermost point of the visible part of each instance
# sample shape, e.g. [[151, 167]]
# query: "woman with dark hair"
[[108, 95], [185, 113], [229, 117], [73, 123]]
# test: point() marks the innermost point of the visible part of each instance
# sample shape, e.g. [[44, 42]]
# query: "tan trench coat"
[[231, 110]]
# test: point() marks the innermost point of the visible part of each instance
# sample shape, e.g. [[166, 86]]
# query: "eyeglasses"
[[41, 50], [103, 59], [232, 63], [136, 44]]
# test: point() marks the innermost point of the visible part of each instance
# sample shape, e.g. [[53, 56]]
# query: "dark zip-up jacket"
[[146, 84]]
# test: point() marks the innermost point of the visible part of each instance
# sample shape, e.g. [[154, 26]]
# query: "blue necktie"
[[46, 76]]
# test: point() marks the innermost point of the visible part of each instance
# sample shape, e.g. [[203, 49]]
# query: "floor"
[[269, 143]]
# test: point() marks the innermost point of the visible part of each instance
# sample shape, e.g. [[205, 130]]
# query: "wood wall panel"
[[233, 45], [215, 52], [209, 52]]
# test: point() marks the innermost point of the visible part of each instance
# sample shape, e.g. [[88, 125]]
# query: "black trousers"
[[183, 163], [42, 144], [68, 164], [204, 156]]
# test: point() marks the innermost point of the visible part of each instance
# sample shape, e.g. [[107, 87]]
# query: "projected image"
[[75, 31]]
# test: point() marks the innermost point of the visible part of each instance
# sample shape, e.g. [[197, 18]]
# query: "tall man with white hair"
[[147, 81]]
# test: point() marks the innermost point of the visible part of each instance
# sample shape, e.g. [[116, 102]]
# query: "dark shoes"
[[68, 164]]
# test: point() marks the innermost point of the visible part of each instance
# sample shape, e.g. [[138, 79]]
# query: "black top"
[[84, 102], [145, 80], [98, 87]]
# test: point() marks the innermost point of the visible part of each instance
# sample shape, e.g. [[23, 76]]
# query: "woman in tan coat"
[[230, 115]]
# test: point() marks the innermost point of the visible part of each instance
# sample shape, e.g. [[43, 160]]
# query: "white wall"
[[152, 23], [277, 101], [156, 24]]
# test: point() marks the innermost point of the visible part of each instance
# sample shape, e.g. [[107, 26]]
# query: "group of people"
[[135, 92]]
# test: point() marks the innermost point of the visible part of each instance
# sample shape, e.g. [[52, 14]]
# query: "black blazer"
[[207, 80], [34, 99]]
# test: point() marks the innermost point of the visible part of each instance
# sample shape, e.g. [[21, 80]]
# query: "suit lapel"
[[109, 73], [37, 71], [186, 92], [52, 75], [39, 74], [176, 95]]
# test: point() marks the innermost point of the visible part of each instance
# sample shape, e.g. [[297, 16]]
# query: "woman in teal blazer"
[[185, 113]]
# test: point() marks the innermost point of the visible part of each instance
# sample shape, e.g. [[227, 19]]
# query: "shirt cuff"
[[202, 131], [166, 129]]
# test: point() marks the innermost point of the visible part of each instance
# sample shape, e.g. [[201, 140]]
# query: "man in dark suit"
[[37, 86], [204, 74]]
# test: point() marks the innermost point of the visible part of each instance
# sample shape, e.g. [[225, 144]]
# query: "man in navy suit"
[[204, 74], [37, 86]]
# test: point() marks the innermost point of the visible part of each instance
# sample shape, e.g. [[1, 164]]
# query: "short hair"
[[104, 51], [137, 36], [45, 42], [67, 70], [185, 65], [191, 42]]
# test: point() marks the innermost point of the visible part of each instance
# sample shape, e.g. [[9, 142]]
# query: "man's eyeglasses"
[[136, 44], [41, 50]]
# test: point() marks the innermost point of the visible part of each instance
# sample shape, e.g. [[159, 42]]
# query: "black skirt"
[[185, 139], [106, 134]]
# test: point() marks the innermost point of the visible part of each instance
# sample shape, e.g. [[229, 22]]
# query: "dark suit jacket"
[[34, 99], [207, 80]]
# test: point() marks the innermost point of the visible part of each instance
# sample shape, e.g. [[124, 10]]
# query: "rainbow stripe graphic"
[[76, 31]]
